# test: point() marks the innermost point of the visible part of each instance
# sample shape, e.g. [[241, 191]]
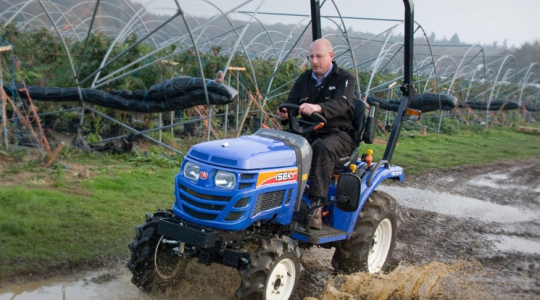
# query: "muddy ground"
[[464, 233], [481, 214]]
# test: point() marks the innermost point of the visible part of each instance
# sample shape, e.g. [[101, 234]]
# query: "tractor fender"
[[347, 220]]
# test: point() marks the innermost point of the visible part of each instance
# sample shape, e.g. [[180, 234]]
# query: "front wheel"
[[373, 240], [154, 263], [274, 270]]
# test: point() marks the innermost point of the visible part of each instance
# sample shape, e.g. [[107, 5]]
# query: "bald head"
[[323, 44], [320, 56]]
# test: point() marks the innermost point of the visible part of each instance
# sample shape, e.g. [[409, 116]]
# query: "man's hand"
[[283, 114], [307, 109]]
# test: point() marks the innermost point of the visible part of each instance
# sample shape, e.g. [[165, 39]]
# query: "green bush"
[[448, 126], [156, 158]]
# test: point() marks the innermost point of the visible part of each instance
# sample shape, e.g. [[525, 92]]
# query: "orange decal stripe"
[[277, 176]]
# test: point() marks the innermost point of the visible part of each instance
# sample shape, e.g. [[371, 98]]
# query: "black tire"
[[274, 268], [143, 254], [352, 255]]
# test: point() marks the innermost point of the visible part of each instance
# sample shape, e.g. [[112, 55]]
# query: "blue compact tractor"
[[242, 203]]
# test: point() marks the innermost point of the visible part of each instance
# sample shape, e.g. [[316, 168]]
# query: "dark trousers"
[[326, 154]]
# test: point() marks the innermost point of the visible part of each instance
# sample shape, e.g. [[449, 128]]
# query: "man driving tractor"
[[328, 90]]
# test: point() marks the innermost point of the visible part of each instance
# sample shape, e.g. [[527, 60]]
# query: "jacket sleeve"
[[294, 96], [343, 97]]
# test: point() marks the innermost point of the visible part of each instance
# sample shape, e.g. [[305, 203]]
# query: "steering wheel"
[[302, 126]]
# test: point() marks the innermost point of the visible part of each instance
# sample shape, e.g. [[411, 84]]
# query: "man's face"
[[320, 58]]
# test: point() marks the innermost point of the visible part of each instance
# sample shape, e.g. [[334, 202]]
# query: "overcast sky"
[[475, 21]]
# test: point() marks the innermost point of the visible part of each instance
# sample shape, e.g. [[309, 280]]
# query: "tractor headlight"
[[225, 180], [191, 171]]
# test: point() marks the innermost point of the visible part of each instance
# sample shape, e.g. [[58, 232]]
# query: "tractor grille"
[[288, 196], [247, 180], [199, 215], [204, 196], [191, 199], [242, 186], [233, 216], [194, 199], [202, 205], [268, 200]]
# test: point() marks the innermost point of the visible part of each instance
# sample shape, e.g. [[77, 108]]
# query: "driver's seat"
[[359, 118], [364, 126]]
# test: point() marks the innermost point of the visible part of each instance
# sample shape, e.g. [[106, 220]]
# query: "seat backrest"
[[359, 117]]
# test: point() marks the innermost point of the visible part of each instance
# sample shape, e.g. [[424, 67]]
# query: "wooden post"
[[245, 116], [3, 102], [50, 158], [528, 129], [226, 118], [237, 69]]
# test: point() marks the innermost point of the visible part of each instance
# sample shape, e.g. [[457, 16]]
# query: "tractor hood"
[[245, 153]]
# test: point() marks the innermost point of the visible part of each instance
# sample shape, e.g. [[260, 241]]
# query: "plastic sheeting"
[[430, 102], [424, 102], [532, 109], [170, 95], [495, 105]]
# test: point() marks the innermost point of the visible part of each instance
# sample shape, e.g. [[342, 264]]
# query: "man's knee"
[[321, 147]]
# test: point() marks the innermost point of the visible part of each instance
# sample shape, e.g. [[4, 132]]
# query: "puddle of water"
[[511, 243], [214, 282], [459, 206], [448, 179], [490, 180], [66, 289]]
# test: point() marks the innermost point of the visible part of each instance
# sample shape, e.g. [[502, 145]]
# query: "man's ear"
[[331, 55]]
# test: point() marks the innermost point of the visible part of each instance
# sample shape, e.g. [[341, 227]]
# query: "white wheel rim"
[[380, 246], [280, 282]]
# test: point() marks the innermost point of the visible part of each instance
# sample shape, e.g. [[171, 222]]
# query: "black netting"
[[425, 102], [173, 94], [493, 105]]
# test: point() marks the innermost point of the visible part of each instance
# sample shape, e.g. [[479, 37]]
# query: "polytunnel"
[[123, 46]]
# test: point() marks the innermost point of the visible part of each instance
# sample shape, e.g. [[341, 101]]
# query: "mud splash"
[[432, 281]]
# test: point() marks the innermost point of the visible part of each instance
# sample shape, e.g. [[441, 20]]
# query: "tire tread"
[[351, 255]]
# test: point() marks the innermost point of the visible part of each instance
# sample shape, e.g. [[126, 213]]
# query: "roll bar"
[[407, 88]]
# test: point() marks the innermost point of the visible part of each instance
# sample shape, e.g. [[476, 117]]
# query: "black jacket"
[[335, 96]]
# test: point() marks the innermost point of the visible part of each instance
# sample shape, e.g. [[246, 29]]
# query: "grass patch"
[[40, 227], [421, 153]]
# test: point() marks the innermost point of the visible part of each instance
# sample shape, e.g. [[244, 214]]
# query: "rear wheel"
[[274, 270], [373, 240], [154, 263]]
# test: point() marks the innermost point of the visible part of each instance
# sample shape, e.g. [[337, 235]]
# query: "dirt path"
[[487, 214], [466, 232]]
